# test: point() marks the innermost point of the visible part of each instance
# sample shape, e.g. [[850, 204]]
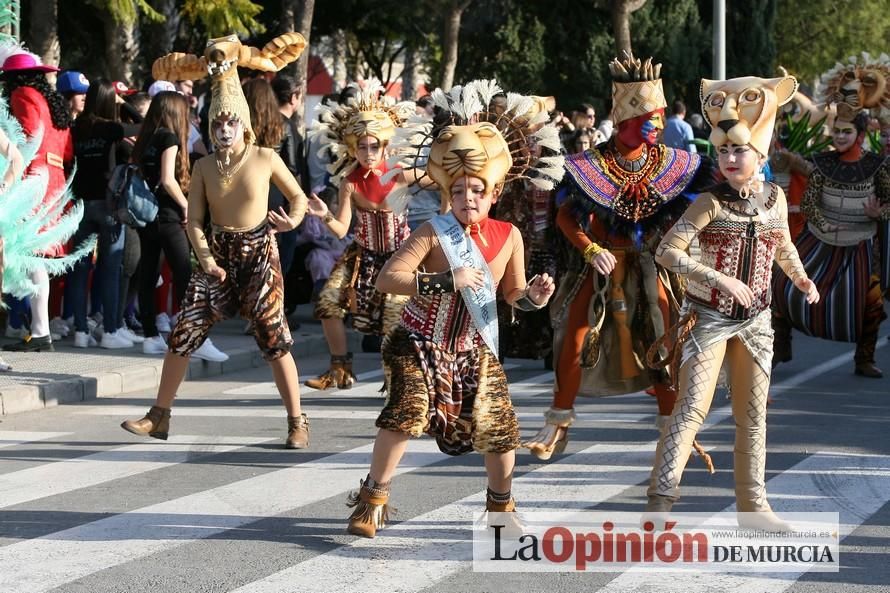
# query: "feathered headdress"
[[370, 113], [25, 214], [496, 136]]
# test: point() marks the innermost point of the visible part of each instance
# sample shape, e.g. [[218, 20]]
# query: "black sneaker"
[[29, 344]]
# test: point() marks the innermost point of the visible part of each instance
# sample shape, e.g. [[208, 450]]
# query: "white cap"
[[160, 86]]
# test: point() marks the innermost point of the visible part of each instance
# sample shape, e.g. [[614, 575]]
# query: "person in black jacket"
[[97, 134]]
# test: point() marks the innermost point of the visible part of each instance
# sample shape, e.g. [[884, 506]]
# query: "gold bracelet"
[[591, 251], [327, 218]]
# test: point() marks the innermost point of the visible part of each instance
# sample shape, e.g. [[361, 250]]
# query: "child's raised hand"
[[541, 288], [317, 207], [468, 278]]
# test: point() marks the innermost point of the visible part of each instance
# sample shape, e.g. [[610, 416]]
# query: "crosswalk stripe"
[[854, 485], [80, 472], [13, 438], [415, 554], [71, 554], [532, 415], [268, 387]]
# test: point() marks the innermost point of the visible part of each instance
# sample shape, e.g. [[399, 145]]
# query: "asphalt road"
[[88, 508]]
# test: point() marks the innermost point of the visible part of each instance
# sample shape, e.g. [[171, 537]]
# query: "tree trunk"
[[303, 25], [340, 74], [409, 74], [621, 11], [288, 15], [43, 34], [450, 41], [122, 45]]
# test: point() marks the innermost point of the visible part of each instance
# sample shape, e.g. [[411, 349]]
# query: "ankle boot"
[[156, 424], [658, 508], [339, 375], [371, 509], [495, 502], [297, 432]]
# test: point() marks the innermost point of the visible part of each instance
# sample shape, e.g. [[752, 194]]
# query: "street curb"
[[144, 375]]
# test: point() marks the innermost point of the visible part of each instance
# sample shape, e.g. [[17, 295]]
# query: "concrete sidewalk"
[[44, 379]]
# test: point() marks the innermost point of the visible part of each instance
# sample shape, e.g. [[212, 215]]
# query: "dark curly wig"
[[58, 108]]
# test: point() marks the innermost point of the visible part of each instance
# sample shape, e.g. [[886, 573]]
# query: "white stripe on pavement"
[[854, 485], [337, 414], [268, 387], [13, 438], [43, 563], [417, 553], [60, 477]]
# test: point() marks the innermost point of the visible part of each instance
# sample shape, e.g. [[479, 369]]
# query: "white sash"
[[462, 252]]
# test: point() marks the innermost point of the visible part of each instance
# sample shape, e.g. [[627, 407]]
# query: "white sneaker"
[[208, 351], [162, 322], [18, 334], [155, 345], [84, 340], [58, 326], [115, 341], [130, 335]]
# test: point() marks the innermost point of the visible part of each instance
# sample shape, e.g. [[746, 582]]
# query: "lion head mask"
[[476, 150], [742, 111]]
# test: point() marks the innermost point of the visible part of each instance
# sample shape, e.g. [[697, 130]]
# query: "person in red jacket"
[[40, 108]]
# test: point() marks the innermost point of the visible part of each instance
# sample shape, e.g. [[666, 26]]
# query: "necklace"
[[227, 170]]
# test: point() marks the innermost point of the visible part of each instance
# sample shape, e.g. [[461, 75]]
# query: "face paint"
[[642, 129], [227, 132], [738, 163], [844, 136]]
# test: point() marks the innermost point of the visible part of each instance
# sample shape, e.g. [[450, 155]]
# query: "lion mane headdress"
[[481, 132], [863, 82], [370, 113], [220, 61]]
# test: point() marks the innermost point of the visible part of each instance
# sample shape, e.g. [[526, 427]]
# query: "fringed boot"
[[340, 374], [864, 358], [297, 432], [554, 436], [371, 509], [498, 502], [155, 424]]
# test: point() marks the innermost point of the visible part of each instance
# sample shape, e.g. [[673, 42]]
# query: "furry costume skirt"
[[460, 398]]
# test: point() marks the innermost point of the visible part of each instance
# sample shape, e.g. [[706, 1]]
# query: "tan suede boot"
[[511, 525], [371, 509], [297, 432], [339, 375], [155, 424]]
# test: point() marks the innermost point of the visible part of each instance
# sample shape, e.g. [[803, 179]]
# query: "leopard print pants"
[[253, 288]]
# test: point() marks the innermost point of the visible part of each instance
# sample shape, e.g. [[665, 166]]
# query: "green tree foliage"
[[812, 35], [127, 11], [222, 17]]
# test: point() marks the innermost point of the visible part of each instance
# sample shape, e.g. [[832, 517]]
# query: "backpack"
[[132, 202]]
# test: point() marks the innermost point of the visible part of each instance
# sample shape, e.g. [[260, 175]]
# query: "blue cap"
[[72, 81]]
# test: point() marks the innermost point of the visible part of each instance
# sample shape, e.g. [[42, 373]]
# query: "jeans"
[[97, 220]]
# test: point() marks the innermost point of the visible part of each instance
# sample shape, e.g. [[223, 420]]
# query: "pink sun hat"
[[19, 62]]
